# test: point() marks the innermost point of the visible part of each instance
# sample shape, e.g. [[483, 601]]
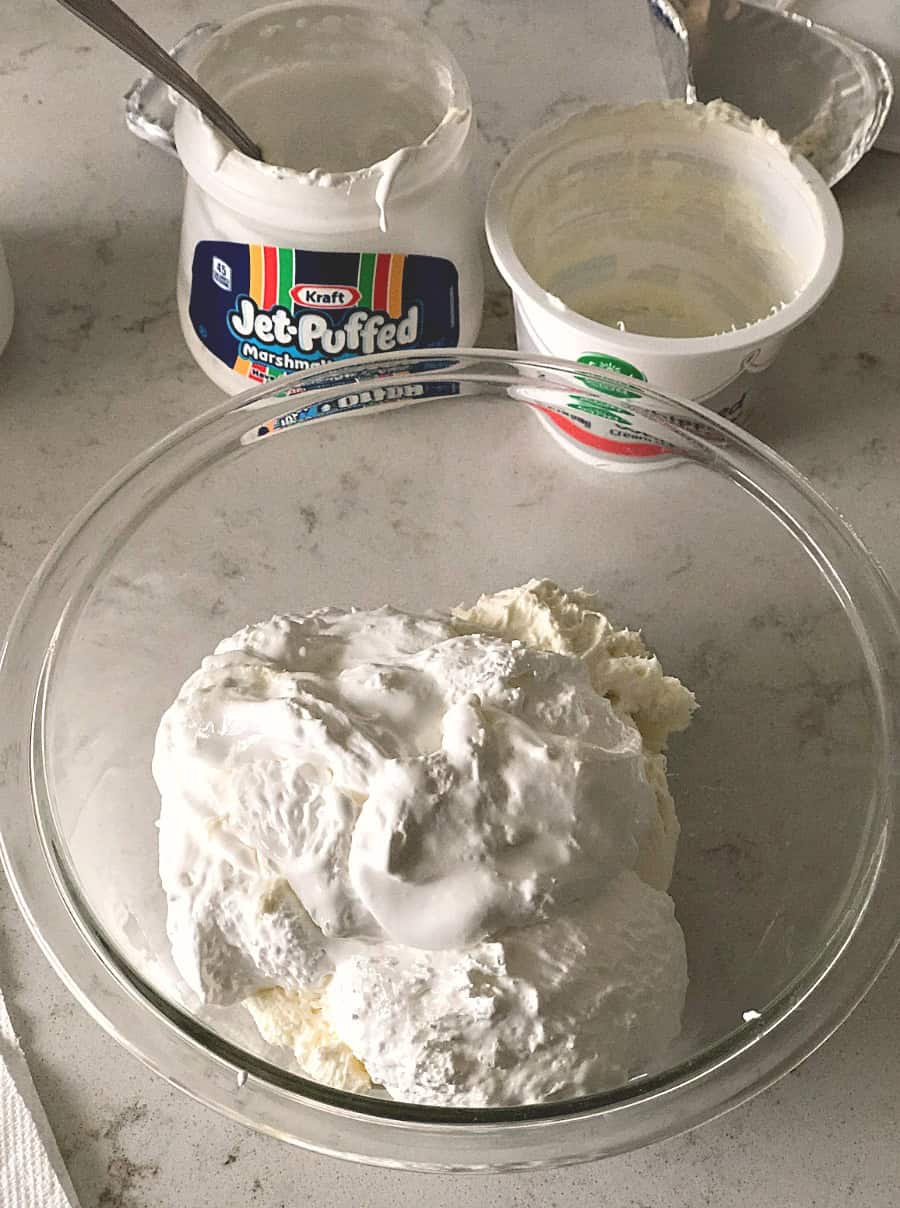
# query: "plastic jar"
[[366, 236]]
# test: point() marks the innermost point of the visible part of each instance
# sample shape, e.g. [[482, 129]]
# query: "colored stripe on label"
[[380, 289], [256, 273], [285, 277], [366, 278], [395, 287], [270, 277]]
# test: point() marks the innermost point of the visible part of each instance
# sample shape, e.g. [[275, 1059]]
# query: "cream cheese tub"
[[360, 233], [671, 242]]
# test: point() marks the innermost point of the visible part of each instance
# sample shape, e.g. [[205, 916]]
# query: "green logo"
[[593, 406], [603, 360]]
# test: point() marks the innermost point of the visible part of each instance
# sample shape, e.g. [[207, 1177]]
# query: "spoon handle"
[[113, 23]]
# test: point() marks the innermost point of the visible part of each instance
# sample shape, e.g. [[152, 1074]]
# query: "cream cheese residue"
[[668, 219], [431, 852]]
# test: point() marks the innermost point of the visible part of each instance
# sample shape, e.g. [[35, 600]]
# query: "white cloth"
[[32, 1173]]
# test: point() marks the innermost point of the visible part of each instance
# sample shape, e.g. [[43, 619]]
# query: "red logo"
[[326, 297]]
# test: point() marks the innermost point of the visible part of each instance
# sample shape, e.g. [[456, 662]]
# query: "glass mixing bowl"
[[747, 584]]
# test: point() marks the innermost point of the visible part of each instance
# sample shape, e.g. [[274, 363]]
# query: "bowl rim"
[[261, 1094]]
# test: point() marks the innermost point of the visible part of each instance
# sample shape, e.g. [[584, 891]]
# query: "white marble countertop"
[[97, 369]]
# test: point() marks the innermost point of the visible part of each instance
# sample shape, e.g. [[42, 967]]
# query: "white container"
[[365, 237], [690, 235]]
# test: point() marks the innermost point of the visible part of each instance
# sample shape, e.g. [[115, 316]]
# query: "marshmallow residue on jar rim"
[[664, 219], [431, 854], [336, 96]]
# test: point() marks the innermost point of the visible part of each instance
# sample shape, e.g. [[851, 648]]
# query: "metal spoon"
[[109, 20]]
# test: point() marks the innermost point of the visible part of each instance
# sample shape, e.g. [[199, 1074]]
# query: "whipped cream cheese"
[[431, 853], [655, 219]]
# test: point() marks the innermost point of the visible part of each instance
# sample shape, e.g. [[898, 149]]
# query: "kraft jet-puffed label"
[[265, 311]]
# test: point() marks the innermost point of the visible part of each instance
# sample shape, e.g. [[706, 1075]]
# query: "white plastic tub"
[[673, 243], [361, 232]]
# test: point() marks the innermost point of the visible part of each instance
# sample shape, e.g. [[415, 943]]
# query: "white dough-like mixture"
[[431, 854]]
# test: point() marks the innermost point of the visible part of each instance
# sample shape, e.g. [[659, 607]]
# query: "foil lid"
[[827, 95], [674, 50]]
